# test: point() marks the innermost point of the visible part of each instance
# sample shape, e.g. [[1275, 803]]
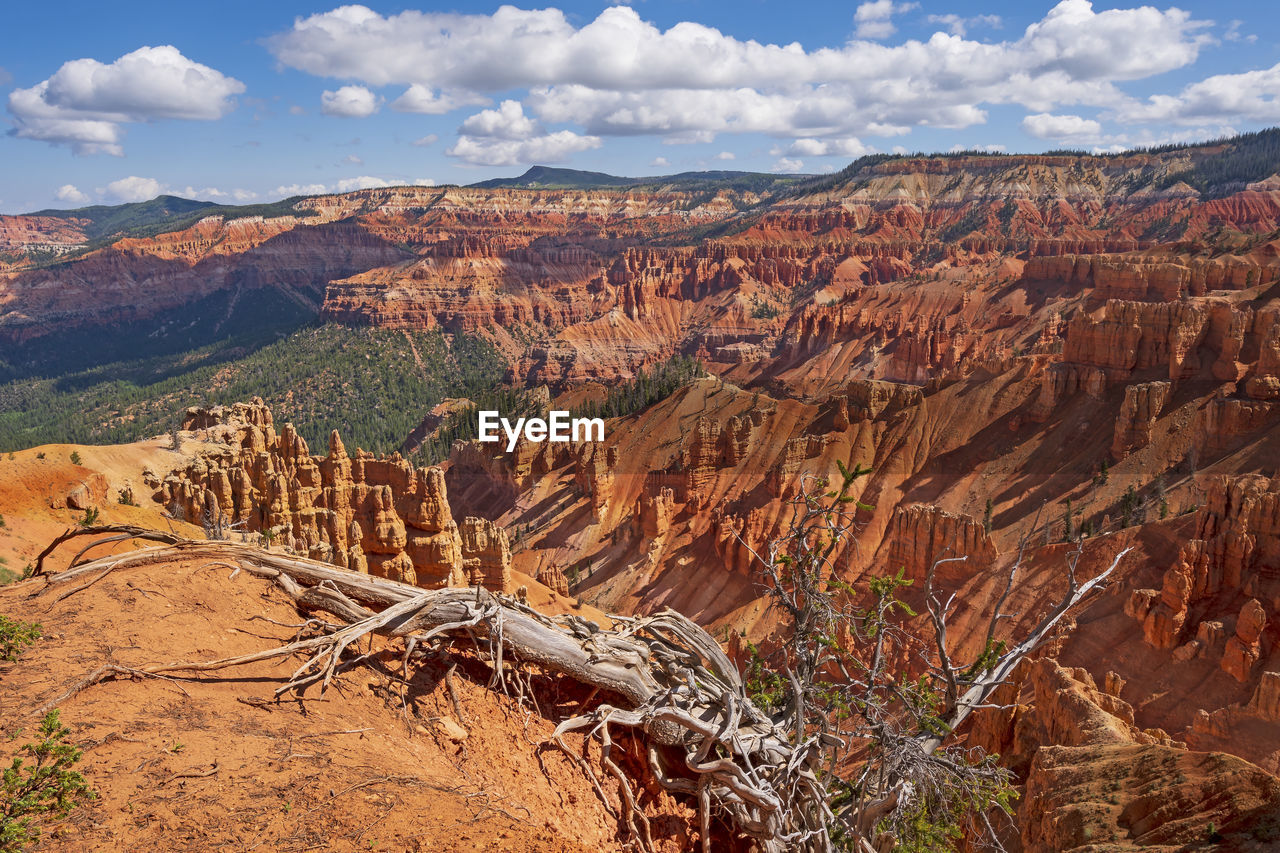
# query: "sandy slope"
[[200, 764]]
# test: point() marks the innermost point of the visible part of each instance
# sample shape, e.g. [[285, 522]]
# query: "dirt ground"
[[210, 762]]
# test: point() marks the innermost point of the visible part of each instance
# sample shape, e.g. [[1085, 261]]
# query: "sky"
[[243, 102]]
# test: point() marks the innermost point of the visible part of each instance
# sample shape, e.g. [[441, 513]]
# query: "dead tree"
[[870, 700], [767, 775]]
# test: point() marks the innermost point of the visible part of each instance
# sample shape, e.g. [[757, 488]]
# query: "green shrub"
[[15, 636], [43, 790]]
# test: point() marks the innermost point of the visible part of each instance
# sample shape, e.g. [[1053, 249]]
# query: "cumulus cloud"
[[69, 193], [959, 26], [851, 147], [1248, 96], [659, 162], [364, 182], [422, 99], [874, 20], [85, 102], [350, 102], [134, 188], [726, 155], [287, 190], [506, 122], [424, 141], [621, 75], [550, 148], [507, 137], [347, 185], [1062, 127], [787, 165]]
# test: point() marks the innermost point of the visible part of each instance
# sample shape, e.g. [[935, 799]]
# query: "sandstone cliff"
[[370, 514]]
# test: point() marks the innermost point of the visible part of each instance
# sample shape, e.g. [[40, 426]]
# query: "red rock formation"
[[486, 556], [1237, 542], [553, 578], [1244, 649], [1092, 776], [920, 536], [366, 513], [1142, 405]]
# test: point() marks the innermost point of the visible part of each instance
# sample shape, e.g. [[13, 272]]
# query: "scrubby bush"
[[41, 789]]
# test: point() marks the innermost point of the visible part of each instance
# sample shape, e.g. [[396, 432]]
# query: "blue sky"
[[251, 101]]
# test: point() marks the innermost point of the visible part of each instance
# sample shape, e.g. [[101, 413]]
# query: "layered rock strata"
[[366, 513]]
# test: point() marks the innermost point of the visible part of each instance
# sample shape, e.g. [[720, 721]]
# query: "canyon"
[[1026, 351]]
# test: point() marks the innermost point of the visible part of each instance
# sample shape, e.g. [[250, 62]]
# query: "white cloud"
[[364, 182], [506, 122], [242, 195], [429, 139], [300, 189], [297, 110], [878, 129], [85, 102], [350, 102], [208, 193], [1062, 127], [422, 99], [353, 160], [134, 188], [69, 192], [851, 147], [621, 75], [959, 26], [874, 19], [659, 162], [1248, 96], [726, 155], [1233, 33], [788, 166], [507, 137], [495, 151], [347, 185]]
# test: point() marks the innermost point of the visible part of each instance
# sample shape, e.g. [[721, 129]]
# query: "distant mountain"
[[547, 177], [161, 214]]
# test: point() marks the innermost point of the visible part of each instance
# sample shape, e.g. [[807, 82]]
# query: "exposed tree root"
[[663, 677]]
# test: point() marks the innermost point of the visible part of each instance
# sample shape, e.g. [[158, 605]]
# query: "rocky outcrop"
[[1142, 405], [486, 554], [553, 577], [1150, 278], [1234, 552], [654, 513], [921, 535], [1093, 777], [712, 446], [373, 514], [1244, 648]]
